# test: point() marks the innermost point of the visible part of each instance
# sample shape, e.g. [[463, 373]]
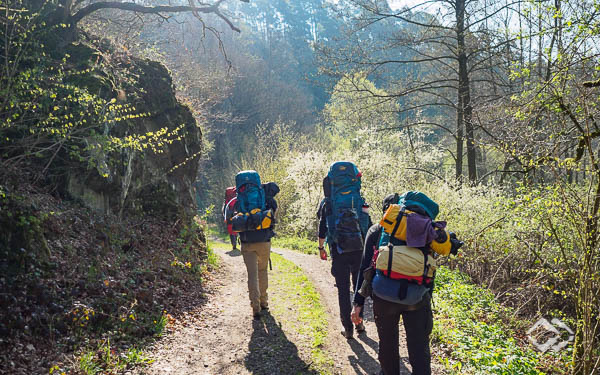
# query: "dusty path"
[[222, 337], [358, 356]]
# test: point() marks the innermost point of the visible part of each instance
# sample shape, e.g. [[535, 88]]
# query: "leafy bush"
[[473, 331]]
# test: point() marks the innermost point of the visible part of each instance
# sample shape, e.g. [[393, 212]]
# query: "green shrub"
[[476, 333]]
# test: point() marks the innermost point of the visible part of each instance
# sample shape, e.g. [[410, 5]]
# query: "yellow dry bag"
[[396, 212]]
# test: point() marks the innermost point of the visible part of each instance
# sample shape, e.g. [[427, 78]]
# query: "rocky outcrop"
[[130, 180]]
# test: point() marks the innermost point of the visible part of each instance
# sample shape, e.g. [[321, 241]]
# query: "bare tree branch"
[[133, 7]]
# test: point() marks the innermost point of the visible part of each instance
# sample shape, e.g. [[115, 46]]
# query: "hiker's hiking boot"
[[348, 334], [360, 327], [256, 313]]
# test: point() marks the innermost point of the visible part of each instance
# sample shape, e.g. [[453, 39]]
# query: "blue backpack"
[[250, 193], [347, 224]]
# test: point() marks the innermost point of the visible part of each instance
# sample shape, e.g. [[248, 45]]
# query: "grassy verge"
[[476, 334], [302, 245], [290, 287], [295, 243], [212, 230]]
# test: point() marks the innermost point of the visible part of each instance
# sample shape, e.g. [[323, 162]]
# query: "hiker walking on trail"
[[228, 210], [397, 271], [343, 222], [254, 218]]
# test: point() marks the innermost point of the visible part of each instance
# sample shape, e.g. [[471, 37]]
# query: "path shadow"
[[362, 362], [270, 352], [363, 336], [403, 369], [369, 364]]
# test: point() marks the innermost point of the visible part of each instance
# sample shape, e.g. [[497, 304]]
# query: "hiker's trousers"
[[344, 268], [256, 257], [417, 325], [233, 238]]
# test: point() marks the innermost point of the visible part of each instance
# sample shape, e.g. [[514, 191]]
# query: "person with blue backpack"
[[254, 220], [343, 223], [397, 271]]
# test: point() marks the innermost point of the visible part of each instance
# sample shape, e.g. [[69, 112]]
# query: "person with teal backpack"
[[343, 222], [254, 219], [398, 272]]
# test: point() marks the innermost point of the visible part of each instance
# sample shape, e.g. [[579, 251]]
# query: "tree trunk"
[[459, 138], [586, 335], [464, 94]]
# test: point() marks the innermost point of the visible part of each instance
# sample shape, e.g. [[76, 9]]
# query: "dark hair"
[[389, 200]]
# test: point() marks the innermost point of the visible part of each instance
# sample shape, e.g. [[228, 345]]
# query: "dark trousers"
[[417, 325], [343, 268], [233, 239]]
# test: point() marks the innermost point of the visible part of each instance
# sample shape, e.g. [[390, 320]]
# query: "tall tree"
[[431, 51]]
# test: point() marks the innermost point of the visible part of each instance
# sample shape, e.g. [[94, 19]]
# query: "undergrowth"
[[90, 291], [479, 336], [302, 245]]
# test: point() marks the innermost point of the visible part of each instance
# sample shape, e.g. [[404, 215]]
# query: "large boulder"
[[156, 181]]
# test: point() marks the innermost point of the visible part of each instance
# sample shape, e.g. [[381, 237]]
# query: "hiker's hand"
[[455, 244], [355, 316], [323, 253]]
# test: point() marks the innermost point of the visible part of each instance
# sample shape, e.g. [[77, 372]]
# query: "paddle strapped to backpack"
[[251, 207], [347, 224]]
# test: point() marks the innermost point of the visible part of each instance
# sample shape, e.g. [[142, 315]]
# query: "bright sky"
[[397, 4]]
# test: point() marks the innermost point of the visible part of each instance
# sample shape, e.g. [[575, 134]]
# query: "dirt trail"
[[222, 337], [213, 340], [358, 356]]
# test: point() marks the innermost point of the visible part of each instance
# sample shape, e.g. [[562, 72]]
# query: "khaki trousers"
[[256, 257]]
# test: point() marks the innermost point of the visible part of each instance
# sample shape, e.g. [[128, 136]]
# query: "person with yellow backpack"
[[397, 271]]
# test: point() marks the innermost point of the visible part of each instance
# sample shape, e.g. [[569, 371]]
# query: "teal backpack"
[[347, 224], [250, 193]]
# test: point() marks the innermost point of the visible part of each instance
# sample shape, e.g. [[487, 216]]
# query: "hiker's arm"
[[271, 203], [371, 242], [322, 230], [322, 234], [370, 245], [321, 242]]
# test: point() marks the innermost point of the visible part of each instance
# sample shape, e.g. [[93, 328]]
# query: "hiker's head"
[[389, 200]]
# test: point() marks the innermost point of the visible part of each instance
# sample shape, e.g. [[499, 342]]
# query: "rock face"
[[139, 181]]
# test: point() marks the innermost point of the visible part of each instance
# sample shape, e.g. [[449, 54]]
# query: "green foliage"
[[61, 106], [107, 359], [470, 328], [382, 158], [356, 104], [189, 242], [300, 244]]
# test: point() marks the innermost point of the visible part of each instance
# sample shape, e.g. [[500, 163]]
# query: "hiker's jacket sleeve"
[[371, 243], [322, 226], [271, 203]]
